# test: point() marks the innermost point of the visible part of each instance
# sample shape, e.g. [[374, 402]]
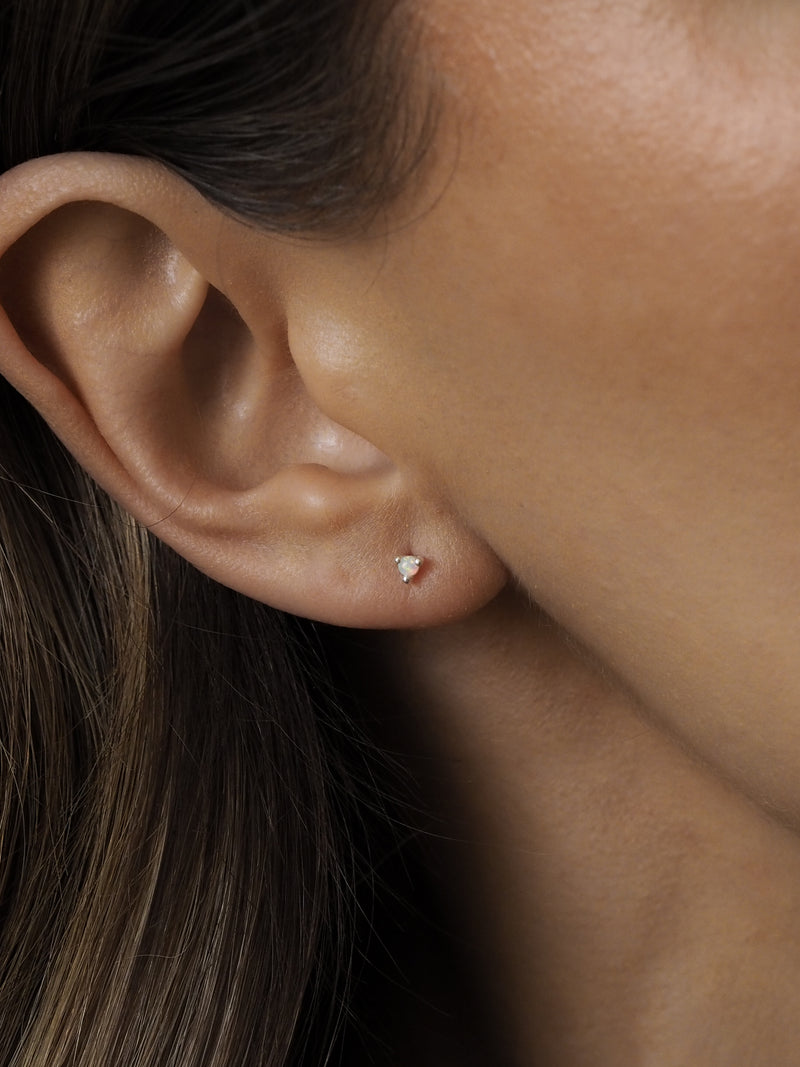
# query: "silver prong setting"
[[408, 566]]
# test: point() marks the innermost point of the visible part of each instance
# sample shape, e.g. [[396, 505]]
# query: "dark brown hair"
[[183, 799], [291, 113]]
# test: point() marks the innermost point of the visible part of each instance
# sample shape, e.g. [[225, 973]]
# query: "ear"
[[138, 320]]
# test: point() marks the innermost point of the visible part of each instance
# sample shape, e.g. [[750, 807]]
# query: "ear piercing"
[[408, 566]]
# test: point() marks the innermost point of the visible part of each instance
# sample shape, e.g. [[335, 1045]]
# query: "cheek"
[[611, 260], [597, 287]]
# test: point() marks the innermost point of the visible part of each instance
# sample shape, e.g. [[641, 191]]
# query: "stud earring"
[[408, 566]]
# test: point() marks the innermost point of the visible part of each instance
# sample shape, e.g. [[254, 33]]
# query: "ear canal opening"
[[218, 328], [225, 382]]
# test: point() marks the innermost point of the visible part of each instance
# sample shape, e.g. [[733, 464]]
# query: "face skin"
[[596, 326], [592, 313]]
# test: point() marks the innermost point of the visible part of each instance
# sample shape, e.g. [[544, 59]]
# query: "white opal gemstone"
[[408, 566]]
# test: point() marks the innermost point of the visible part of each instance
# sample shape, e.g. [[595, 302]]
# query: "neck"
[[638, 909]]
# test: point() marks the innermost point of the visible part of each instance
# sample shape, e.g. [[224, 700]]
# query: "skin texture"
[[567, 363], [600, 318], [604, 300]]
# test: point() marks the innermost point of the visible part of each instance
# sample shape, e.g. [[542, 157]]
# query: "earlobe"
[[174, 384]]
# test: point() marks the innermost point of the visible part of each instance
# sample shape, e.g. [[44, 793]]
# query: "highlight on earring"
[[408, 566]]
